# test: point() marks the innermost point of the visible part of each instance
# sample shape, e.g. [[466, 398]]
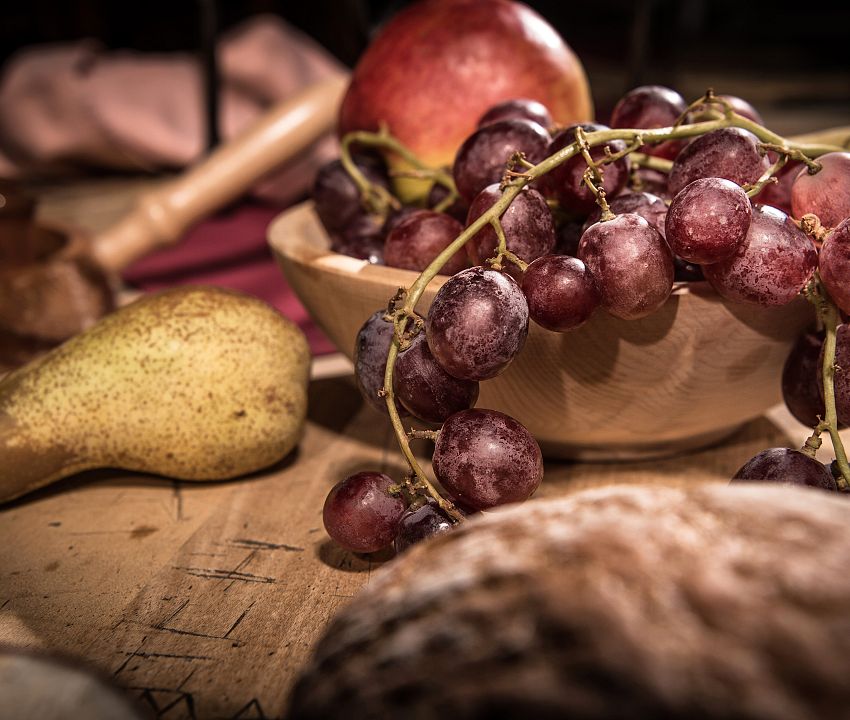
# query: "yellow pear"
[[196, 383]]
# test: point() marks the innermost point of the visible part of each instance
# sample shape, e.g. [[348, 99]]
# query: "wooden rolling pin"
[[54, 298]]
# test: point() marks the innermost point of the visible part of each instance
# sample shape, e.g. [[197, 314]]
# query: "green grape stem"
[[831, 318], [510, 190]]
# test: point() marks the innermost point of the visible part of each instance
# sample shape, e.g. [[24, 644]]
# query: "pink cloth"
[[229, 250], [68, 108]]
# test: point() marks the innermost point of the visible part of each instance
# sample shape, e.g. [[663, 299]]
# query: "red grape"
[[708, 220], [631, 264], [782, 465], [361, 514], [370, 359], [801, 385], [419, 524], [425, 389], [566, 182], [771, 267], [841, 378], [730, 153], [336, 197], [653, 181], [834, 265], [518, 109], [477, 323], [650, 207], [778, 194], [739, 105], [483, 157], [560, 291], [567, 236], [396, 216], [827, 192], [651, 106], [684, 271], [485, 458], [458, 209], [528, 225], [362, 238], [419, 238]]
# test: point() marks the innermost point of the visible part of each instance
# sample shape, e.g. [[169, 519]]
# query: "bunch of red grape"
[[580, 231]]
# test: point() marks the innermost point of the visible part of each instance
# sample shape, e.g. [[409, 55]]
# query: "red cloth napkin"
[[229, 250]]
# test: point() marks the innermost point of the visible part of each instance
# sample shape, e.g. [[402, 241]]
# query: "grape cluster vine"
[[518, 174]]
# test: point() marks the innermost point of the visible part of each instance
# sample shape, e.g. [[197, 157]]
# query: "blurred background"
[[788, 58]]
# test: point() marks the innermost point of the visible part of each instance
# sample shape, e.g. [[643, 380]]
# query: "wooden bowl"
[[684, 377]]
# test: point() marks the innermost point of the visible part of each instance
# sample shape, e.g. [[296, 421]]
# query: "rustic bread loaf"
[[620, 602]]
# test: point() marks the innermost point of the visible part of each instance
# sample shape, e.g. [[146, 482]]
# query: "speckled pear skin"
[[195, 383]]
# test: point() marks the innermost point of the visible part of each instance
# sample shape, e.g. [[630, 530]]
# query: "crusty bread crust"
[[620, 602]]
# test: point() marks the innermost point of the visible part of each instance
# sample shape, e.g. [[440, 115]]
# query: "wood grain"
[[203, 601]]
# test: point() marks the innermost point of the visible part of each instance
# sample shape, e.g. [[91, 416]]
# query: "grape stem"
[[766, 179], [828, 313], [651, 162], [510, 190], [502, 252], [377, 197]]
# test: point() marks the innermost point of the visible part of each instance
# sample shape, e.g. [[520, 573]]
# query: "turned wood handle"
[[160, 217]]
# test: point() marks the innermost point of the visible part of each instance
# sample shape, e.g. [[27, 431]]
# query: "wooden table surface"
[[203, 600]]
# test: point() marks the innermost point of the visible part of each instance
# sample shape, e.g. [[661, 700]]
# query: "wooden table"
[[203, 600]]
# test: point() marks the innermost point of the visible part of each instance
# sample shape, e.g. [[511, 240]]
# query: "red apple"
[[437, 66]]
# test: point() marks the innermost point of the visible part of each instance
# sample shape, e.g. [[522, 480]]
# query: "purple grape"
[[841, 378], [477, 323], [730, 153], [654, 182], [485, 458], [631, 264], [567, 236], [708, 220], [370, 359], [483, 157], [834, 265], [458, 209], [425, 389], [517, 109], [417, 239], [791, 467], [650, 207], [396, 216], [336, 197], [778, 194], [801, 388], [771, 266], [651, 106], [560, 291], [684, 271], [827, 192], [419, 524], [528, 225], [360, 513], [362, 238], [566, 184], [711, 112]]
